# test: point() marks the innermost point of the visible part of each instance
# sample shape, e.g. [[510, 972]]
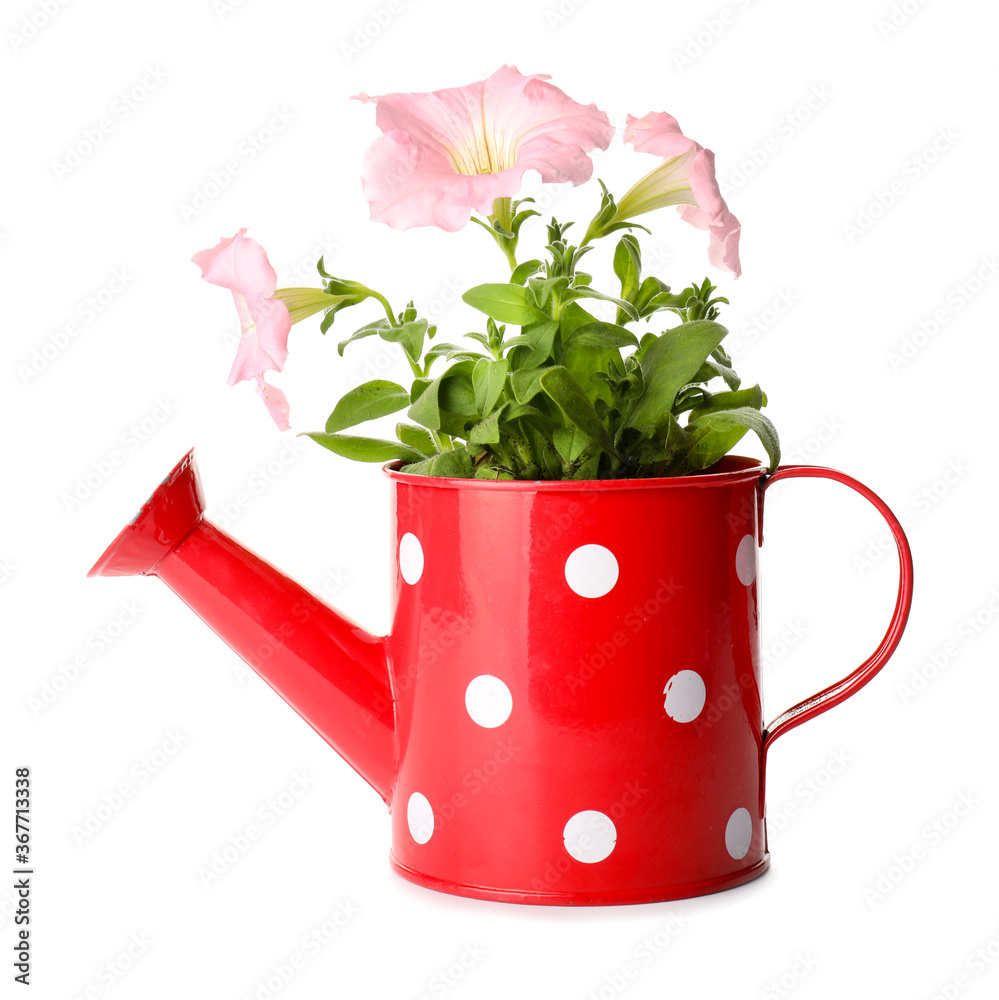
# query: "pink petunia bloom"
[[275, 401], [686, 178], [241, 265], [452, 152]]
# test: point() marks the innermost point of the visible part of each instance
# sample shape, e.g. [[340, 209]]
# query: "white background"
[[815, 112]]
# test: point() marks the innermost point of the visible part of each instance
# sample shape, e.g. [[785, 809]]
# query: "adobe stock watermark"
[[122, 107], [596, 833], [315, 941], [31, 25], [139, 775], [587, 667], [932, 835], [710, 30], [793, 632], [899, 16], [129, 442], [304, 271], [761, 322], [7, 569], [976, 963], [806, 791], [808, 448], [473, 782], [247, 150], [938, 660], [913, 169], [110, 973], [237, 844], [802, 965], [333, 582], [258, 482], [784, 129], [651, 947], [960, 295], [87, 311], [226, 7], [367, 31], [557, 15], [97, 642], [445, 979], [921, 503]]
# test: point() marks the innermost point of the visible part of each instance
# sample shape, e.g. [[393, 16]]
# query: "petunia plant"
[[567, 377]]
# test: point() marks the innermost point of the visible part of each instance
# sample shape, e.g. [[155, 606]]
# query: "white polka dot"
[[685, 695], [739, 833], [420, 816], [410, 558], [488, 701], [745, 560], [590, 836], [591, 571]]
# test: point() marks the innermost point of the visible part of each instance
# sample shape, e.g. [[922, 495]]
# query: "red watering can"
[[568, 709]]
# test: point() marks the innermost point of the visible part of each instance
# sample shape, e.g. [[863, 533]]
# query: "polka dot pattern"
[[488, 701], [745, 560], [591, 571], [739, 834], [685, 696], [420, 816], [590, 836], [410, 558]]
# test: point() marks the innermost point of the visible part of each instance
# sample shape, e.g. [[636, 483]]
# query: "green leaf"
[[715, 434], [454, 464], [668, 364], [524, 271], [416, 437], [542, 288], [305, 302], [526, 383], [367, 402], [450, 393], [366, 331], [754, 398], [410, 335], [488, 472], [566, 392], [585, 292], [452, 352], [654, 294], [732, 380], [488, 379], [487, 431], [364, 449], [590, 469], [628, 266], [505, 302], [570, 442], [539, 337], [604, 335]]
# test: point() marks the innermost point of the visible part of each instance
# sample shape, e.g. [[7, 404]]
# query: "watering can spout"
[[332, 672]]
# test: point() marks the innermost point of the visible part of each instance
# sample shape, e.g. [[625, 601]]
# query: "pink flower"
[[685, 178], [241, 265], [448, 153], [275, 401]]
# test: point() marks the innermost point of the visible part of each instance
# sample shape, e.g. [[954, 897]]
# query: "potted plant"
[[568, 707]]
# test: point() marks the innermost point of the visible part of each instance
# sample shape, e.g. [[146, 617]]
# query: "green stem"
[[511, 256], [388, 309]]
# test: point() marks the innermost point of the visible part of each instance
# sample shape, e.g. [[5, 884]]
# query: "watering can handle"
[[853, 682]]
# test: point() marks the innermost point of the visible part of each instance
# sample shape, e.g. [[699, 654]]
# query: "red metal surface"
[[332, 672], [573, 673], [841, 690]]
